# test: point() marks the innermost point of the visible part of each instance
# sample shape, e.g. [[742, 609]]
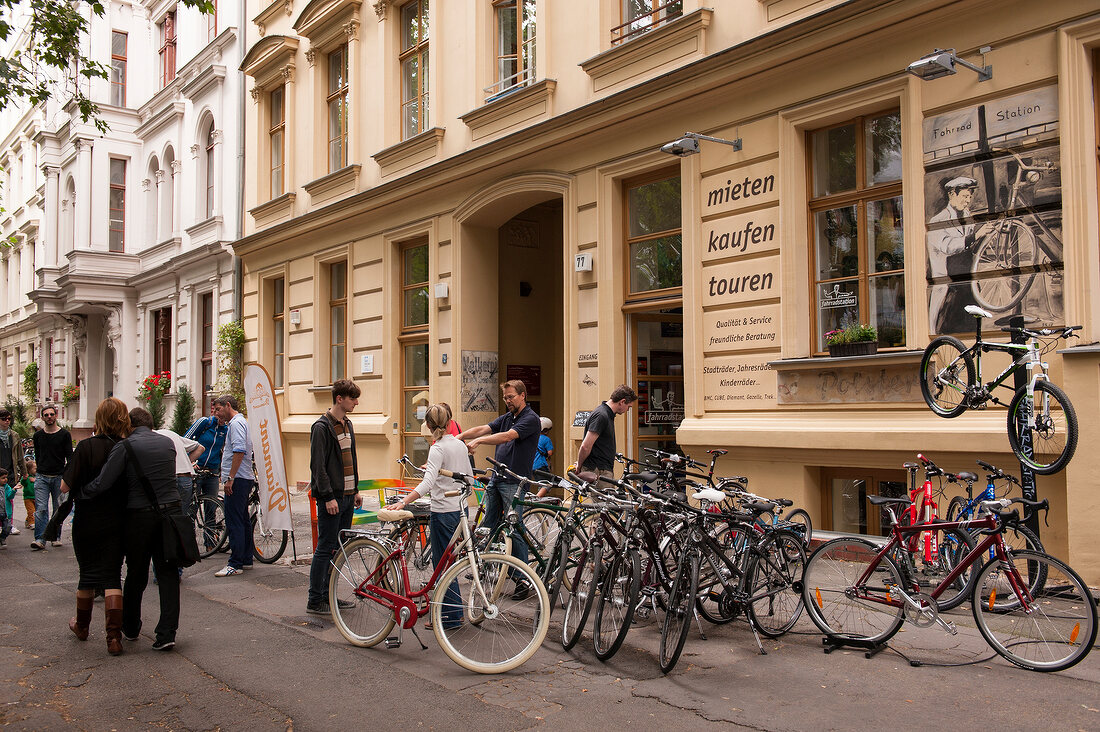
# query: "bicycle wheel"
[[366, 621], [681, 604], [840, 608], [582, 592], [952, 545], [800, 516], [267, 544], [414, 537], [1011, 247], [946, 373], [511, 630], [210, 533], [1048, 630], [710, 600], [774, 583], [543, 526], [618, 598], [1053, 438], [956, 507]]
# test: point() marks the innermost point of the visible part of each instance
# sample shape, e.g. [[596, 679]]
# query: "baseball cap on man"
[[546, 423], [960, 183]]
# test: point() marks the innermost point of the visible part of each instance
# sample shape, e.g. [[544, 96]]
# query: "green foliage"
[[230, 347], [184, 411], [17, 408], [851, 333], [30, 382]]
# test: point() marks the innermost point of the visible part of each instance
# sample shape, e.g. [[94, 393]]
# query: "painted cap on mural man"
[[960, 183]]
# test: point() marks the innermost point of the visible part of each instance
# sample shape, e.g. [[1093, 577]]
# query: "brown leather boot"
[[79, 624], [113, 606]]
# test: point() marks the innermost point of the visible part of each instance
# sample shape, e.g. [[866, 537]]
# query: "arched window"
[[152, 207], [167, 204], [208, 166]]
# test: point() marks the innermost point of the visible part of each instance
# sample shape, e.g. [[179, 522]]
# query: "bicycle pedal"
[[393, 642]]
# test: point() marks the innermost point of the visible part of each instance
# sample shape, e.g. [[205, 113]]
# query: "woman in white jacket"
[[449, 453]]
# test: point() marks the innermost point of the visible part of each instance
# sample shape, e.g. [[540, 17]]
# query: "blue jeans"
[[185, 485], [498, 498], [45, 488], [238, 525], [441, 528], [329, 527]]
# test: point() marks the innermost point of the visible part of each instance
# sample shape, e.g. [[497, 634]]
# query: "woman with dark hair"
[[98, 524]]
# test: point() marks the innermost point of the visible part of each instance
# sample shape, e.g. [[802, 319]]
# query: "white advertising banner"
[[267, 441]]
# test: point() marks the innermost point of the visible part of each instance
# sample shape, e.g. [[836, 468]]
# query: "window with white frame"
[[515, 44], [414, 68]]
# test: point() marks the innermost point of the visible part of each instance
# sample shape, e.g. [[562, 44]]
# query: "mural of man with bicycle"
[[951, 237]]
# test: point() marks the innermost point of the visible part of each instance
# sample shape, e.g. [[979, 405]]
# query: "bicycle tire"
[[711, 595], [618, 597], [268, 545], [1054, 632], [557, 570], [800, 516], [582, 593], [367, 622], [543, 526], [414, 536], [681, 604], [956, 508], [831, 574], [1011, 248], [511, 629], [1050, 451], [940, 366], [210, 534], [953, 545], [774, 581]]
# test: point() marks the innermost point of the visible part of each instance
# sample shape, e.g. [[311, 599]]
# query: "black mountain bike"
[[1040, 414]]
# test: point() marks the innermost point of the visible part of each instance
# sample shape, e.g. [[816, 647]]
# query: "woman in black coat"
[[98, 524]]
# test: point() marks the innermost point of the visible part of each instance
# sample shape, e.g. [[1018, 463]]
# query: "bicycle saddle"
[[968, 477], [386, 515], [978, 312], [883, 500], [709, 494]]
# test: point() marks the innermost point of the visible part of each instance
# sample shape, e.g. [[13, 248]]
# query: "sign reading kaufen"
[[750, 233], [267, 440]]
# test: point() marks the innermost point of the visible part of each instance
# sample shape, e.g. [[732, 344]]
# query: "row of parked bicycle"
[[672, 541]]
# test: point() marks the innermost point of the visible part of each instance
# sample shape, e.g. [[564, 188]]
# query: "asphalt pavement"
[[249, 657]]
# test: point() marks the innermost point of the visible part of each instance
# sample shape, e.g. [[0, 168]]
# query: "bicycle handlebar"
[[996, 473]]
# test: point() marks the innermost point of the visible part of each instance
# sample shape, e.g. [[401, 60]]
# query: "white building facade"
[[122, 259]]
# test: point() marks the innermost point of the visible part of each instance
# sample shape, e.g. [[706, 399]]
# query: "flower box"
[[859, 348]]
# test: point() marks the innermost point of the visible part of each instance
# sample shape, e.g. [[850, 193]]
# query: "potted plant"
[[853, 339]]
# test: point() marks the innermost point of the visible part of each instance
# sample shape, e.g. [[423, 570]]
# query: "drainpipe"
[[238, 272]]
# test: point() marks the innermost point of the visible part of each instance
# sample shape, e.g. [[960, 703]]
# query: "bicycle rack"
[[870, 648]]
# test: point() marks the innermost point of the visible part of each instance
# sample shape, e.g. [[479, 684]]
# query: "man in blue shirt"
[[516, 435], [236, 473], [210, 433]]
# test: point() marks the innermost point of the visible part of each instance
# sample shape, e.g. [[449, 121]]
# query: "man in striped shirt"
[[334, 479]]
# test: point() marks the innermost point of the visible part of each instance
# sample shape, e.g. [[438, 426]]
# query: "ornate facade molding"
[[145, 183], [351, 30], [177, 167], [311, 56], [255, 92]]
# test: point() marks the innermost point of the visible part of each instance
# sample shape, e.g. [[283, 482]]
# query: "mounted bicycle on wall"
[[1040, 414]]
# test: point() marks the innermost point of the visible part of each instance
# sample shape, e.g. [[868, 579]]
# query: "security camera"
[[934, 65], [681, 148]]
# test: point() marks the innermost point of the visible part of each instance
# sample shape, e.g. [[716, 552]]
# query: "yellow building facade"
[[443, 197]]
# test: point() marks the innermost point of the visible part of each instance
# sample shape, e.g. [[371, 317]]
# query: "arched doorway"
[[511, 313]]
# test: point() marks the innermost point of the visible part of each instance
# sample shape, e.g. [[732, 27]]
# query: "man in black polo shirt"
[[516, 436], [597, 451]]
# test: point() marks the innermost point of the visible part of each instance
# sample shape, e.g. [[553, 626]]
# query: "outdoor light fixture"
[[942, 63], [689, 144]]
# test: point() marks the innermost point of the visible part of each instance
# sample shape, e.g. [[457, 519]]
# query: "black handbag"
[[177, 531]]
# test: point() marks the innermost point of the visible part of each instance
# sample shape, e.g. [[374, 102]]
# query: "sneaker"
[[345, 604], [523, 590], [247, 566], [229, 571], [129, 637], [38, 545], [15, 531], [164, 645], [320, 608], [3, 544], [56, 543]]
